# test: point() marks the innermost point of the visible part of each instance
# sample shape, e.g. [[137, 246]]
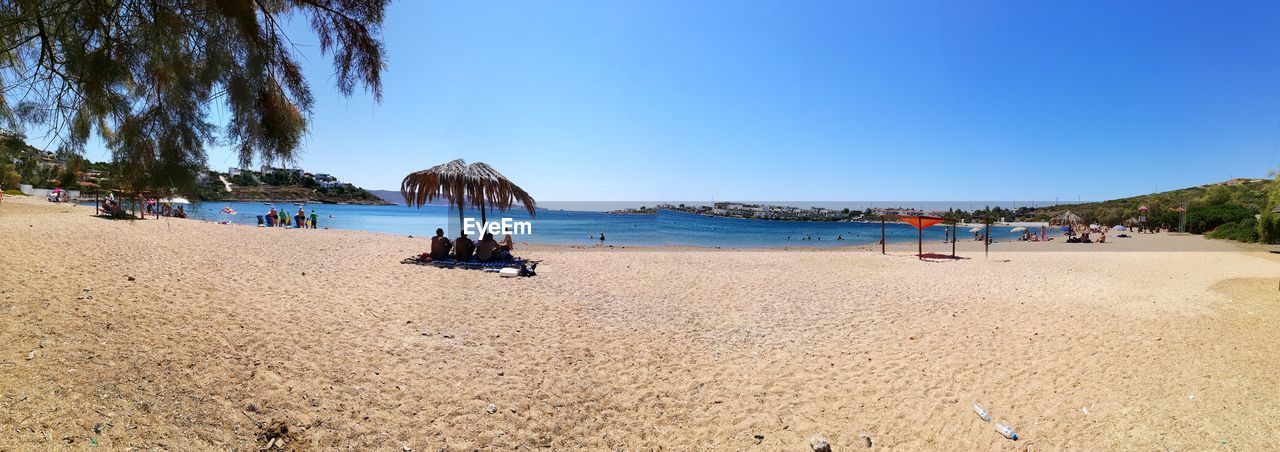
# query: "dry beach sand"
[[182, 335]]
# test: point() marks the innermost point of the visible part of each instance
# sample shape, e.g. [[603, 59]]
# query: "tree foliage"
[[1269, 223], [143, 75], [1244, 231]]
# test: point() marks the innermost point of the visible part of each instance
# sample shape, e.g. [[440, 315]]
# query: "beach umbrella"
[[975, 230], [175, 200], [491, 189], [446, 181], [460, 184], [228, 211], [1018, 229], [920, 222], [1119, 227], [1066, 219]]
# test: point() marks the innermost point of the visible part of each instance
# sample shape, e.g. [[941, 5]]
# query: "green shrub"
[[1206, 218], [1269, 228], [1244, 231]]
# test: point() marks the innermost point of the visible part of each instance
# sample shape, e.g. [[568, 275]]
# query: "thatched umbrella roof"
[[487, 187], [477, 184], [446, 180], [1066, 219]]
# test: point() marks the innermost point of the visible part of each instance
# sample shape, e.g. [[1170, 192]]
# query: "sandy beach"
[[187, 335]]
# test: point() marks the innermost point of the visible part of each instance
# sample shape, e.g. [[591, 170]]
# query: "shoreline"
[[192, 335], [1168, 242]]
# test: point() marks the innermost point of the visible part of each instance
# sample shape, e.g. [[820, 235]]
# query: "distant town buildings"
[[267, 169], [776, 212]]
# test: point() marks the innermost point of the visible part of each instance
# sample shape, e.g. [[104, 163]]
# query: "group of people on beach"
[[111, 207], [464, 249], [278, 218], [1029, 235], [163, 209]]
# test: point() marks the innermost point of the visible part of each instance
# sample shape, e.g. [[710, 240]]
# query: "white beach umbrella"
[[975, 230], [175, 200], [1018, 229]]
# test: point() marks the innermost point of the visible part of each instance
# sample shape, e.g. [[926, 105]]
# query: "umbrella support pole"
[[986, 241], [919, 238]]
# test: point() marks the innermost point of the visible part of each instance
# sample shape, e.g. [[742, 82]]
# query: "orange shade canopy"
[[921, 222]]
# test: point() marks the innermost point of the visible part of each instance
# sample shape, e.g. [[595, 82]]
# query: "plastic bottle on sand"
[[1007, 431], [981, 412]]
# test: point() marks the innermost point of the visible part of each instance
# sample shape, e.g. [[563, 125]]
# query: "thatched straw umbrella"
[[459, 183], [487, 187], [446, 180], [1066, 219]]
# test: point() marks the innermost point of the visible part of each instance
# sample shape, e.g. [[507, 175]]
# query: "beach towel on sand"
[[469, 265]]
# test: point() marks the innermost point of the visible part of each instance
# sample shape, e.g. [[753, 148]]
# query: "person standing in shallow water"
[[601, 237], [315, 220]]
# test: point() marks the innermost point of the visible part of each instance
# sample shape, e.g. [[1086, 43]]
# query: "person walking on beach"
[[314, 219]]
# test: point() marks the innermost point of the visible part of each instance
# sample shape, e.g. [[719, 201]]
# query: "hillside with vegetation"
[[21, 163], [284, 185], [1222, 210]]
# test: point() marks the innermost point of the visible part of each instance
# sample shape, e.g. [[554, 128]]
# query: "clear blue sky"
[[809, 100]]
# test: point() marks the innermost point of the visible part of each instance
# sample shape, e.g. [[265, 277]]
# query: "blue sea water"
[[568, 227]]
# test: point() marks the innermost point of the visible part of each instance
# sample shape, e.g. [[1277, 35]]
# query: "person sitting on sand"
[[271, 218], [485, 248], [108, 208], [507, 244], [440, 246], [463, 247]]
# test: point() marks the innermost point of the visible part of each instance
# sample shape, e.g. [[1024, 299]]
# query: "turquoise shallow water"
[[565, 227]]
